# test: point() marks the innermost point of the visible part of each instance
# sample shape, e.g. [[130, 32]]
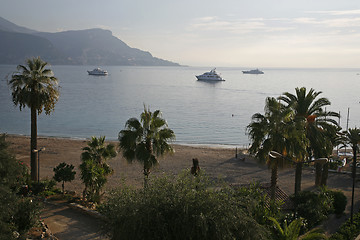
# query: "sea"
[[199, 112]]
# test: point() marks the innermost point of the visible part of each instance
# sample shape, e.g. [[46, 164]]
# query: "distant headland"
[[80, 47]]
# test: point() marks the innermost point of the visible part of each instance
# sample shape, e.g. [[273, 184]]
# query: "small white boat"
[[254, 71], [98, 72], [210, 76]]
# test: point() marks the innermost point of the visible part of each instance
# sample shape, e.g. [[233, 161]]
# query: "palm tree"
[[292, 231], [94, 168], [352, 137], [270, 132], [35, 87], [145, 140], [320, 128]]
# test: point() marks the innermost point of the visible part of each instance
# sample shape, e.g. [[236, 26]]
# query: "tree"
[[94, 168], [292, 231], [35, 87], [352, 137], [18, 213], [64, 173], [271, 132], [146, 140], [319, 126]]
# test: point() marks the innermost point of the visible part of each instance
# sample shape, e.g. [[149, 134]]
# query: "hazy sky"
[[219, 33]]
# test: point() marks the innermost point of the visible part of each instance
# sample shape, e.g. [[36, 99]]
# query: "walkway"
[[67, 224]]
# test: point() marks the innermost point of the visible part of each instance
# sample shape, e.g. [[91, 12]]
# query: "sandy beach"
[[216, 162]]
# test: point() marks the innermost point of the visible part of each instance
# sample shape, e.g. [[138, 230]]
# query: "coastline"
[[197, 145]]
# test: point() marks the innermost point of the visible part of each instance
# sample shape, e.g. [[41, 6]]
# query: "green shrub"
[[348, 231], [187, 207], [313, 207], [26, 215], [44, 185], [17, 214], [339, 201]]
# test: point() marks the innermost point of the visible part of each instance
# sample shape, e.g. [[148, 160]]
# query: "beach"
[[215, 162]]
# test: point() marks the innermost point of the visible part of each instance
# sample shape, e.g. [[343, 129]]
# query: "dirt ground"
[[216, 162]]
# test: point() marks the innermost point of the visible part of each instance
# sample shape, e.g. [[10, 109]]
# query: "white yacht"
[[255, 71], [210, 76], [98, 71]]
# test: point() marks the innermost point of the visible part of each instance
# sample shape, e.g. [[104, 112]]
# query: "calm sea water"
[[199, 112]]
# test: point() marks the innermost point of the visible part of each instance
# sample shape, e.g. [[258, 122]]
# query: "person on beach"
[[195, 169]]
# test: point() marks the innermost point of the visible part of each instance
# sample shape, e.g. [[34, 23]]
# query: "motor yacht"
[[210, 76], [254, 71], [98, 72]]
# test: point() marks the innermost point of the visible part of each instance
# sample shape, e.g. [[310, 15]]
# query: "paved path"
[[67, 224]]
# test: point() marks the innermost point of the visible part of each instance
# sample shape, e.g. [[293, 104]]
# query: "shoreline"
[[196, 145]]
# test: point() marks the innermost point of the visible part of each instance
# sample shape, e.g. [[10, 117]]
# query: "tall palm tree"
[[94, 168], [352, 137], [270, 132], [34, 86], [319, 125], [146, 140]]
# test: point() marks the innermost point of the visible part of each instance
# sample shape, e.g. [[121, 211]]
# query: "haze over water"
[[199, 112]]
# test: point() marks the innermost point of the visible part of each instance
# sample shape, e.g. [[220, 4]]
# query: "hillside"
[[81, 47]]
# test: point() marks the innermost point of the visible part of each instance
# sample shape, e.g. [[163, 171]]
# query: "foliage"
[[18, 213], [185, 207], [41, 186], [348, 230], [94, 168], [13, 173], [289, 232], [255, 203], [146, 140], [319, 124], [64, 173], [313, 207], [276, 131], [335, 163], [319, 127], [35, 87], [292, 231], [339, 201], [26, 215]]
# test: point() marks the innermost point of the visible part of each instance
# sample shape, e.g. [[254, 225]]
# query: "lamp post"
[[38, 153]]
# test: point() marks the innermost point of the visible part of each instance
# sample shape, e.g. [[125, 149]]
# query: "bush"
[[186, 208], [44, 185], [313, 207], [339, 201], [17, 214], [348, 231], [26, 215]]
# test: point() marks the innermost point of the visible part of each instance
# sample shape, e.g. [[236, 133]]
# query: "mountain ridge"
[[74, 47]]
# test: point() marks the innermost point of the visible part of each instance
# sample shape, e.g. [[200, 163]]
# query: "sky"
[[226, 33]]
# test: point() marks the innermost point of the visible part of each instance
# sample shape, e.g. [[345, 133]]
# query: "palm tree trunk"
[[324, 174], [274, 176], [354, 181], [146, 177], [33, 145], [318, 172], [298, 173]]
